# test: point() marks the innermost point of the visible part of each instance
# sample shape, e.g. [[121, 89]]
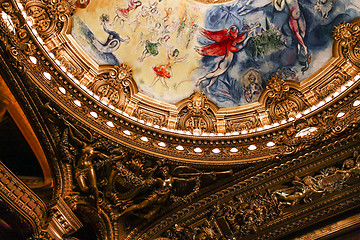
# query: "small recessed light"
[[340, 114], [342, 89], [299, 115], [328, 99], [283, 121], [180, 148], [62, 90], [235, 133], [33, 59], [216, 150], [110, 124], [162, 144], [145, 139], [77, 103], [291, 119], [356, 77], [234, 150], [127, 132], [51, 55], [350, 83], [252, 147], [47, 75], [94, 114], [276, 124], [197, 150], [336, 94], [244, 132], [356, 103], [270, 144], [322, 103]]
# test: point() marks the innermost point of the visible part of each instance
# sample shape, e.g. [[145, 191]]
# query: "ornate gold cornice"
[[91, 94]]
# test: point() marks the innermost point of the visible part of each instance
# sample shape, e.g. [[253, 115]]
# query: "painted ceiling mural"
[[228, 50]]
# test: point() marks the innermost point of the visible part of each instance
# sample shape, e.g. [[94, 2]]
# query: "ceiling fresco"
[[227, 50]]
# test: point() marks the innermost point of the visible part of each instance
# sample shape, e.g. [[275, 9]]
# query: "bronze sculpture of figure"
[[84, 169]]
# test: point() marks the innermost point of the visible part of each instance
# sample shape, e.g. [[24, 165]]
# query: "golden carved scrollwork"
[[348, 37], [197, 117], [112, 87], [282, 100], [48, 18], [240, 217]]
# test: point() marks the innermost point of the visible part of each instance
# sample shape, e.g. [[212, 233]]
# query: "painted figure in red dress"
[[123, 13], [227, 42], [164, 71]]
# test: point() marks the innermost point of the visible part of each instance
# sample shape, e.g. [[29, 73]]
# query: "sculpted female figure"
[[84, 169]]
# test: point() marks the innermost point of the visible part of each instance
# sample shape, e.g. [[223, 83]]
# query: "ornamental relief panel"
[[47, 16], [348, 37], [244, 216], [283, 101], [197, 116], [112, 88]]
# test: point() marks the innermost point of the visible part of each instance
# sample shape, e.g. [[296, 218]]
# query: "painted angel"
[[226, 43]]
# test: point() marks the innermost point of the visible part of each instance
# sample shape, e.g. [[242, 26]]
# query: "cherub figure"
[[293, 195], [157, 197], [350, 166]]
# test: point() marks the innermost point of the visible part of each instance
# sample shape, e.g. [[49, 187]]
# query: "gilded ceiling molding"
[[255, 211], [63, 222], [226, 135], [21, 199]]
